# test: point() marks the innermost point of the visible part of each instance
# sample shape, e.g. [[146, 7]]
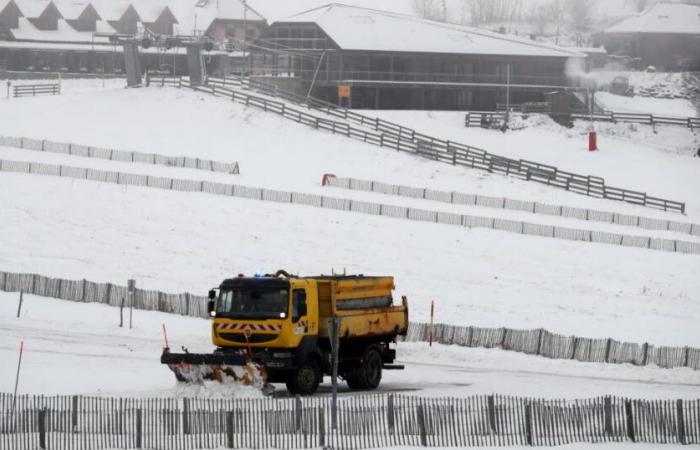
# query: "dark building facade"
[[391, 61]]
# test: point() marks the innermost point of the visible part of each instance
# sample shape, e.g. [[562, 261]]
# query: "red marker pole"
[[165, 336], [430, 329], [19, 364]]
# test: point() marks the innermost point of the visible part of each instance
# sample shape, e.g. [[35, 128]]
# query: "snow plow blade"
[[222, 367]]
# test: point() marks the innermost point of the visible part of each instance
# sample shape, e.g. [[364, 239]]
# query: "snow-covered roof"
[[111, 9], [667, 18], [150, 10], [355, 28], [32, 8], [71, 9], [191, 15], [64, 33]]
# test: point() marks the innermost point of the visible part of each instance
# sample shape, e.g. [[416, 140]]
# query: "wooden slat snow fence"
[[534, 342], [31, 90], [474, 118], [87, 151], [400, 138], [460, 198], [365, 421], [356, 206]]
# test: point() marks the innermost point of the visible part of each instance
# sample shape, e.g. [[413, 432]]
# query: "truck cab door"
[[300, 312]]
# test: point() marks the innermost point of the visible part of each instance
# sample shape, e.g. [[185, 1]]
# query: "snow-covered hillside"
[[110, 233]]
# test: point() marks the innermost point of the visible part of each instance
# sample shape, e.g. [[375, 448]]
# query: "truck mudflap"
[[222, 367]]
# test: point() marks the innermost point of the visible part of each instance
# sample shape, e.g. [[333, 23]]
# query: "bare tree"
[[427, 9], [540, 18], [491, 11], [556, 13], [580, 12]]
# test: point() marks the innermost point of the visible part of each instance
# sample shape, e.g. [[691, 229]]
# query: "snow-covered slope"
[[175, 241], [631, 156], [75, 348]]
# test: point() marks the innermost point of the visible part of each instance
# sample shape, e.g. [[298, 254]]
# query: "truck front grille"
[[253, 338]]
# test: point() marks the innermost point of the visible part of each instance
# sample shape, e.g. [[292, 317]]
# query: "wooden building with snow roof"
[[69, 36], [394, 61], [666, 35]]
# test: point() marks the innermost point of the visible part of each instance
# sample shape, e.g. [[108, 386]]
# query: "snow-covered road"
[[74, 348]]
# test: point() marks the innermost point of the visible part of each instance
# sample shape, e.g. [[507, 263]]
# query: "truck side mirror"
[[212, 294], [210, 307]]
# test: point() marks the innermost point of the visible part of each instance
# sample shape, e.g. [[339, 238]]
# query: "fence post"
[[186, 416], [297, 413], [528, 424], [492, 414], [84, 289], [229, 429], [630, 420], [681, 422], [74, 414], [42, 428], [608, 346], [607, 411], [539, 341], [139, 428], [390, 413], [321, 428], [421, 426], [573, 350], [19, 307], [645, 355]]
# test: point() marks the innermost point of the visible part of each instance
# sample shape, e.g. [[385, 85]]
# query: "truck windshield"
[[253, 303]]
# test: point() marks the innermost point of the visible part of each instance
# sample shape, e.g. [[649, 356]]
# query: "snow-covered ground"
[[676, 107], [180, 122], [631, 156], [175, 241], [74, 348]]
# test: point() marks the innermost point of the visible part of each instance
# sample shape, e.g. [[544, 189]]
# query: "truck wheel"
[[372, 370], [305, 380], [354, 380]]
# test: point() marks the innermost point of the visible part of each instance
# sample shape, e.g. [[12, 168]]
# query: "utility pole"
[[507, 93], [334, 332]]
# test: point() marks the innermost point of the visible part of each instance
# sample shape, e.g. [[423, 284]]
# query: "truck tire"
[[369, 374], [305, 380], [372, 369], [354, 381]]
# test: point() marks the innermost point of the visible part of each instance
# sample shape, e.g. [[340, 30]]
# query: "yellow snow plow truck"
[[275, 329]]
